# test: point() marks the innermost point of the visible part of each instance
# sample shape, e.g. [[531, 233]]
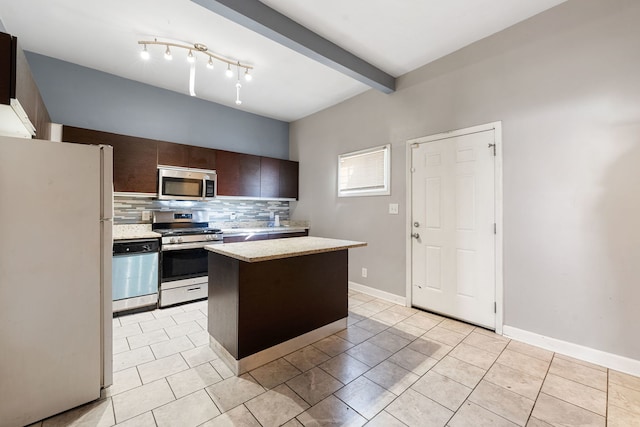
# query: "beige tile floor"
[[393, 366]]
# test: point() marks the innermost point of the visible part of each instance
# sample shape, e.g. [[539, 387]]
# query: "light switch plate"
[[393, 208]]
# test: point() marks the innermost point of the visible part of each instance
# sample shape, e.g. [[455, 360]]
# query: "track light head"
[[190, 58], [145, 53], [167, 54]]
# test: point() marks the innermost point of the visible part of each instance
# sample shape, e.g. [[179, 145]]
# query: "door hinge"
[[495, 307], [495, 228], [494, 149]]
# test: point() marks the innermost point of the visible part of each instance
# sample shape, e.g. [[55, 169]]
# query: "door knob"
[[416, 224], [415, 235]]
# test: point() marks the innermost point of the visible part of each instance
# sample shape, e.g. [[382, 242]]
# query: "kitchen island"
[[268, 298]]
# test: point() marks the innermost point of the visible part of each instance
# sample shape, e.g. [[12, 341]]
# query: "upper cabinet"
[[278, 178], [188, 156], [22, 111], [238, 174], [202, 158], [134, 159], [135, 162], [170, 154], [288, 179], [269, 177]]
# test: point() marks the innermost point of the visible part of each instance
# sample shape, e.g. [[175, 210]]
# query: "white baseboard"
[[608, 360], [387, 296]]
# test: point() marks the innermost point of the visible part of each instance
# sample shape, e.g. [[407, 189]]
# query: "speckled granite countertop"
[[262, 230], [265, 250], [133, 231]]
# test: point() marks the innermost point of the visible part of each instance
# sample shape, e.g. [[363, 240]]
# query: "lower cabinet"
[[246, 238], [264, 236], [287, 235]]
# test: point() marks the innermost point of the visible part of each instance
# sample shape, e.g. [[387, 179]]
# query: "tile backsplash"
[[129, 210]]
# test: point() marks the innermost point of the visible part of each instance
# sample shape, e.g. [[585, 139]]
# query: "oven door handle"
[[194, 245]]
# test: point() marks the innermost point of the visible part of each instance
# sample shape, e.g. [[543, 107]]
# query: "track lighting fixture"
[[191, 59]]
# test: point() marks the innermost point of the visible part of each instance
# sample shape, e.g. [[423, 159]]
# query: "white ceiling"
[[396, 36]]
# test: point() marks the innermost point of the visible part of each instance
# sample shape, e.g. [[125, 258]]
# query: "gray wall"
[[566, 86], [80, 96]]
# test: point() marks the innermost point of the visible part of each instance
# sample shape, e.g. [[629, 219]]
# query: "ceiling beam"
[[260, 18]]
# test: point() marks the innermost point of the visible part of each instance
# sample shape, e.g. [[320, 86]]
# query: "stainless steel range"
[[183, 259]]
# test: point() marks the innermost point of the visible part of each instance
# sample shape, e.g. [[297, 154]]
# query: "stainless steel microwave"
[[176, 183]]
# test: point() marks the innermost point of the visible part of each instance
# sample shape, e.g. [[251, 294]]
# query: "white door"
[[453, 226]]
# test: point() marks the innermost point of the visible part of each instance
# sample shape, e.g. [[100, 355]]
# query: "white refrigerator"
[[56, 207]]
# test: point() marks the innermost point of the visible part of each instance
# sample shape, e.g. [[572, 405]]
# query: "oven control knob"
[[179, 239], [172, 240]]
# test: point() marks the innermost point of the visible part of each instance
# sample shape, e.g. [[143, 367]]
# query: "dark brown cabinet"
[[134, 159], [278, 178], [170, 154], [287, 235], [16, 82], [238, 174], [269, 177], [188, 156], [201, 157], [135, 162], [264, 236], [288, 179], [247, 238]]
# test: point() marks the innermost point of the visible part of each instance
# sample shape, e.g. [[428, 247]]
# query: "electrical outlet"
[[146, 215], [364, 272], [232, 216], [393, 208]]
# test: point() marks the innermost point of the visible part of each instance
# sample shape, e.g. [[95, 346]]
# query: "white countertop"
[[134, 231], [265, 250]]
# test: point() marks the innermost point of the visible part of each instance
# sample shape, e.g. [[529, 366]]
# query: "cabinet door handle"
[[415, 235]]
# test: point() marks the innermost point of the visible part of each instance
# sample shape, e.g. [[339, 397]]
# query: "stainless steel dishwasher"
[[135, 273]]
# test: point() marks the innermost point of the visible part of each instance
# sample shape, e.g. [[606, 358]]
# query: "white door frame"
[[497, 128]]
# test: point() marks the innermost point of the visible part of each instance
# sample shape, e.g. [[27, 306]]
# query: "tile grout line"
[[579, 383], [419, 377], [606, 401], [477, 384], [535, 402]]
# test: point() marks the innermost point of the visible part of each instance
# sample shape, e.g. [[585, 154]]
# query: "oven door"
[[185, 263]]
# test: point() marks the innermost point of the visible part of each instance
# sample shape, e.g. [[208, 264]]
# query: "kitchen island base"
[[269, 298]]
